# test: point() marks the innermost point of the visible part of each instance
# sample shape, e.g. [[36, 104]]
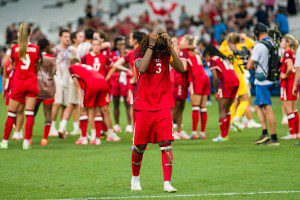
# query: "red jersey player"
[[225, 84], [153, 102], [25, 58], [101, 63], [287, 78], [199, 86]]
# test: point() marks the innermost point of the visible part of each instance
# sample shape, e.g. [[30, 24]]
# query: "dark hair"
[[116, 40], [103, 35], [89, 32], [62, 31], [160, 49], [44, 45], [211, 50], [73, 36], [260, 28], [138, 36]]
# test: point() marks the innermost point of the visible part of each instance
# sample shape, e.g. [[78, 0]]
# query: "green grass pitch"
[[63, 170]]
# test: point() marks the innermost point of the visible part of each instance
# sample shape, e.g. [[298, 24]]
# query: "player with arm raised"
[[153, 102]]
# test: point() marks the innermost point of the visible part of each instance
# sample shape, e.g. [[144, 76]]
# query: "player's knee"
[[140, 149]]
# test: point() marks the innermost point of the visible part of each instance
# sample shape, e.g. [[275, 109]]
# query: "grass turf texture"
[[65, 170]]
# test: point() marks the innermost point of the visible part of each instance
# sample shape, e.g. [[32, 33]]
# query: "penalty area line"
[[185, 195]]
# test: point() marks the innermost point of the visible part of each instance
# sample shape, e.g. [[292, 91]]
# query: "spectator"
[[99, 9], [219, 29], [114, 8], [183, 15], [241, 18], [262, 16], [89, 9], [269, 5], [282, 22], [11, 33]]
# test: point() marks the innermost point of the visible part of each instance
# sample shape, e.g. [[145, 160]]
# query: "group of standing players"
[[154, 79]]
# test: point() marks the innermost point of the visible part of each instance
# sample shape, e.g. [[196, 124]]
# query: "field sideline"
[[234, 170]]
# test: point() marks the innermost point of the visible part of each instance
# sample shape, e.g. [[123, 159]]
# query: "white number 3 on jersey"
[[158, 71], [26, 62]]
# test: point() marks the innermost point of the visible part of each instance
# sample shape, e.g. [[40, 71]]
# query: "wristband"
[[151, 47]]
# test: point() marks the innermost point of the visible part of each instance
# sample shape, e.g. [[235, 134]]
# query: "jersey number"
[[26, 62], [158, 71], [228, 66]]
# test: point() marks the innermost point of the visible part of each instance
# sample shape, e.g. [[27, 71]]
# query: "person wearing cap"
[[259, 62]]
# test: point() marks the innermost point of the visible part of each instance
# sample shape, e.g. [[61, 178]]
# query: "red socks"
[[195, 117], [29, 124], [11, 116], [83, 125], [167, 161], [224, 127], [228, 117], [136, 161], [46, 130], [296, 121], [98, 125], [291, 123], [203, 115]]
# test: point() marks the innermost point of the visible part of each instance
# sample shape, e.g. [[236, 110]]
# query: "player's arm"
[[143, 64], [215, 82], [78, 89], [250, 64], [4, 80], [176, 62], [289, 69], [105, 45]]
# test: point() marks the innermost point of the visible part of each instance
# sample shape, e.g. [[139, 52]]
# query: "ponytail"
[[23, 37]]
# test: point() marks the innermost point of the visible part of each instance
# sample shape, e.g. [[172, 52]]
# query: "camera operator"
[[259, 61], [236, 48]]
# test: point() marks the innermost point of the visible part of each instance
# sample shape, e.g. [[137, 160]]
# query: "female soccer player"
[[25, 58], [119, 83], [153, 102], [225, 84], [46, 85], [287, 78]]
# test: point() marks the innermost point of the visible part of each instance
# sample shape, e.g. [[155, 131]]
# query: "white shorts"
[[72, 96], [61, 95]]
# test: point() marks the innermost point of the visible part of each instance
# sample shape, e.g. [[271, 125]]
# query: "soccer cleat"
[[26, 145], [253, 124], [194, 135], [183, 135], [174, 126], [136, 183], [53, 132], [168, 187], [117, 128], [113, 137], [75, 132], [261, 139], [129, 129], [219, 138], [238, 126], [96, 141], [21, 135], [289, 137], [44, 142], [271, 142], [4, 144], [16, 136], [284, 120], [62, 135], [82, 141], [202, 135]]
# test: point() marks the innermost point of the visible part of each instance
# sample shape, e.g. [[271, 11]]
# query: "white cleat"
[[75, 132], [174, 126], [26, 145], [4, 144], [183, 135], [175, 135], [82, 141], [289, 137], [136, 183], [16, 136], [21, 134], [220, 139], [129, 129], [53, 132], [168, 187], [253, 124], [117, 128], [113, 137]]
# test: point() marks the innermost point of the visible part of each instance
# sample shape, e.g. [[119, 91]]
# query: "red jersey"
[[289, 54], [25, 68], [106, 52], [181, 78], [100, 63], [195, 66], [154, 89], [88, 78], [225, 72]]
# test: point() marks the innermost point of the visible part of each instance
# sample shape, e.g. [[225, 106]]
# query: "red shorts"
[[201, 85], [95, 98], [180, 91], [20, 90], [286, 91], [228, 92], [152, 126], [116, 88], [45, 101]]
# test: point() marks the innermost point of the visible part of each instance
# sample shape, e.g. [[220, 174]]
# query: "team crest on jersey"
[[96, 64]]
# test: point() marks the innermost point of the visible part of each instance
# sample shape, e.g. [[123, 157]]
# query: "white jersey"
[[83, 49]]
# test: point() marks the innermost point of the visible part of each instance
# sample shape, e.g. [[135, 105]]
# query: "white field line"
[[184, 195]]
